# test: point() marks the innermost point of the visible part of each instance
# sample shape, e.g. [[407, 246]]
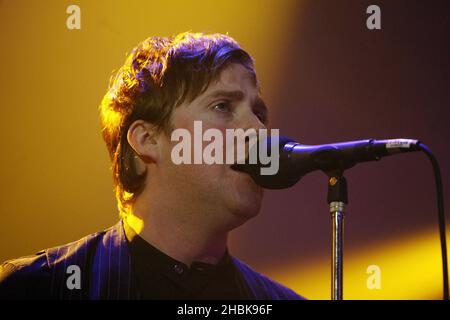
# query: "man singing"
[[171, 240]]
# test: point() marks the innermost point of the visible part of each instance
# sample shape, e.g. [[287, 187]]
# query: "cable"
[[441, 215]]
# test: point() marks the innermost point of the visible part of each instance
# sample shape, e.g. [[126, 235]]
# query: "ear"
[[142, 137]]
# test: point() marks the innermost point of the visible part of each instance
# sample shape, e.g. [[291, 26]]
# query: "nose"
[[252, 121]]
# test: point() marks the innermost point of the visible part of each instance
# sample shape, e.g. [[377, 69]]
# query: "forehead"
[[235, 77]]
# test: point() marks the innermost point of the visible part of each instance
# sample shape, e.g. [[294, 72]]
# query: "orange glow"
[[411, 268]]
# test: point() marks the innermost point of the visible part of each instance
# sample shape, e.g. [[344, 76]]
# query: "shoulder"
[[264, 288], [24, 277], [36, 276]]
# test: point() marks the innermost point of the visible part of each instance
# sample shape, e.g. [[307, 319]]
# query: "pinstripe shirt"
[[99, 266]]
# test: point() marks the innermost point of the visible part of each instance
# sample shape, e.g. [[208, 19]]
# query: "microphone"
[[297, 160]]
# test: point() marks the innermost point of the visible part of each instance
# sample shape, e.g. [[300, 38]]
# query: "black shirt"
[[109, 270], [159, 276]]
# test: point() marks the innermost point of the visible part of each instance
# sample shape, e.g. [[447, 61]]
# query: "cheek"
[[198, 174]]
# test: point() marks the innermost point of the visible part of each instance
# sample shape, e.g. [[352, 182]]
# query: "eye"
[[223, 106]]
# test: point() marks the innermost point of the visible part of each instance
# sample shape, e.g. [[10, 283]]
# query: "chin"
[[248, 212], [245, 196], [247, 204]]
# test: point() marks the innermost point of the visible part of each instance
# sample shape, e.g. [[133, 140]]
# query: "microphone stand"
[[337, 199]]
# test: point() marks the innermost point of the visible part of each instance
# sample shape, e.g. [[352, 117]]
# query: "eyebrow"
[[232, 94], [238, 95]]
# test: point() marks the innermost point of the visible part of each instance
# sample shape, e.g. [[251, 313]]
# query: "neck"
[[185, 236]]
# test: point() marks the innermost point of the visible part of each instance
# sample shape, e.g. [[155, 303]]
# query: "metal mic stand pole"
[[337, 199]]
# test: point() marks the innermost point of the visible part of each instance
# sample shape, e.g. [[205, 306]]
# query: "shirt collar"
[[151, 258]]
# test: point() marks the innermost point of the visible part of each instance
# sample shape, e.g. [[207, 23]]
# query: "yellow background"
[[55, 179]]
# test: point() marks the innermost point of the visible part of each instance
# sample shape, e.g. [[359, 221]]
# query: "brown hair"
[[158, 75]]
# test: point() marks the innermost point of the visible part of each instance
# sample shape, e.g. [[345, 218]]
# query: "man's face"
[[230, 102]]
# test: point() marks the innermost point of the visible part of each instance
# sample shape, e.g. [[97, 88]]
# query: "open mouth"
[[244, 169], [237, 168]]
